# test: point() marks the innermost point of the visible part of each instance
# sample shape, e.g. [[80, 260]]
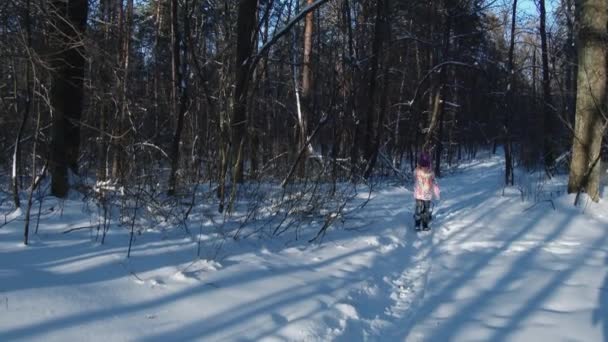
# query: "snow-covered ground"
[[493, 268]]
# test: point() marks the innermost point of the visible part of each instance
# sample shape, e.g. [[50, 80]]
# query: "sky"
[[529, 6]]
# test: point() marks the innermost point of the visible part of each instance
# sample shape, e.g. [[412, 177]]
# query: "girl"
[[425, 186]]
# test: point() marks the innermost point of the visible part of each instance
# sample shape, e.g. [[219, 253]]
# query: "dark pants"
[[423, 213]]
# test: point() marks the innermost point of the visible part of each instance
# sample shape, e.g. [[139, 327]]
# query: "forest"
[[291, 102], [303, 170]]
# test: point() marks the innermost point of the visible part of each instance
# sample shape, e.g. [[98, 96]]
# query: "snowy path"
[[501, 272], [489, 270]]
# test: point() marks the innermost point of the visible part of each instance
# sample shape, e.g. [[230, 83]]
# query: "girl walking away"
[[425, 187]]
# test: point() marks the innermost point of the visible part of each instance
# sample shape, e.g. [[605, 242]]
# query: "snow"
[[493, 268]]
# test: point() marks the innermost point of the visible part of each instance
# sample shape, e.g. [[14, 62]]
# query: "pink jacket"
[[425, 185]]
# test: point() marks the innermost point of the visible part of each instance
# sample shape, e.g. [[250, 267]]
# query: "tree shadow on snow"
[[221, 322], [480, 304], [600, 314], [396, 251]]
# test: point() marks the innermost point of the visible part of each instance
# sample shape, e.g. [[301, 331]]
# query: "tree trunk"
[[437, 115], [35, 180], [350, 111], [509, 100], [397, 131], [118, 124], [381, 33], [531, 143], [431, 59], [590, 124], [368, 94], [246, 22], [157, 64], [547, 130], [104, 80], [306, 99], [180, 86], [69, 23], [570, 64], [26, 111]]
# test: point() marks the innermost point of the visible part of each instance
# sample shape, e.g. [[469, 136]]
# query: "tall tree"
[[570, 47], [509, 95], [373, 134], [68, 25], [122, 60], [104, 77], [435, 131], [591, 102], [26, 21], [179, 97], [547, 128], [246, 29], [306, 108]]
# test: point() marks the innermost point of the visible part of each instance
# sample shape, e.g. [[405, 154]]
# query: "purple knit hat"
[[424, 160]]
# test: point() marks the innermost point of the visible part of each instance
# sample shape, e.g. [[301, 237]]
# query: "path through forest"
[[492, 268]]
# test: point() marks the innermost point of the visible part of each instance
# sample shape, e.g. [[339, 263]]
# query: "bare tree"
[[377, 93], [547, 128], [180, 85], [68, 26], [590, 123], [508, 146], [306, 99], [246, 29], [435, 131]]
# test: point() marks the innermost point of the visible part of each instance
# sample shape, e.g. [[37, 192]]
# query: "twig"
[[7, 222], [78, 228], [302, 150]]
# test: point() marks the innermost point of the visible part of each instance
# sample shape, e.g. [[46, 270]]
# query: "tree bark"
[[437, 115], [547, 130], [570, 63], [103, 79], [26, 111], [180, 86], [306, 98], [118, 158], [350, 91], [509, 101], [373, 134], [591, 103], [68, 26], [246, 22]]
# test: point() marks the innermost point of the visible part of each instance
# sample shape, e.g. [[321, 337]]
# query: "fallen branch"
[[78, 228]]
